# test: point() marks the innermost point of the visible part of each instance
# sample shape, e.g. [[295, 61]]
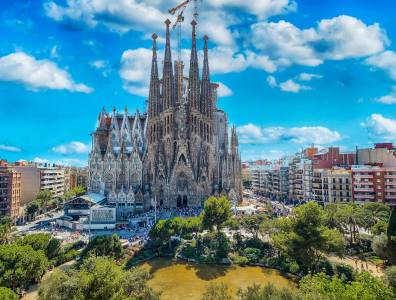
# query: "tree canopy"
[[216, 212], [304, 237], [98, 278], [21, 265]]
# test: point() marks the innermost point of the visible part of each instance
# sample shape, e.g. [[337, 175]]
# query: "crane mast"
[[178, 24]]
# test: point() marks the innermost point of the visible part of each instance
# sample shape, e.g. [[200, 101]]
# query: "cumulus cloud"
[[333, 39], [389, 98], [71, 148], [125, 15], [379, 126], [223, 90], [9, 148], [308, 76], [142, 16], [40, 160], [292, 86], [253, 134], [68, 162], [287, 86], [385, 61], [271, 80], [37, 74], [102, 65]]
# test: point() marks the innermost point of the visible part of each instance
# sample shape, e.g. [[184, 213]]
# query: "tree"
[[98, 278], [192, 225], [5, 230], [379, 227], [217, 291], [267, 292], [7, 294], [252, 223], [32, 208], [216, 212], [365, 286], [44, 198], [390, 277], [104, 245], [42, 241], [304, 237], [21, 265]]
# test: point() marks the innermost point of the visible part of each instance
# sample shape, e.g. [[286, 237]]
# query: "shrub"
[[252, 254]]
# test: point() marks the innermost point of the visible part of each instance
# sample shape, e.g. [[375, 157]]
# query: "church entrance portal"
[[182, 201]]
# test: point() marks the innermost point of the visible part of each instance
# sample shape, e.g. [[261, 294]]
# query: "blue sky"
[[292, 72]]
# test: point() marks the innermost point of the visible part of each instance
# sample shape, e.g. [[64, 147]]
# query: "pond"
[[179, 280]]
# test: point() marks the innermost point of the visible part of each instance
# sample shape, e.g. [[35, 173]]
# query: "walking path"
[[32, 294], [358, 265]]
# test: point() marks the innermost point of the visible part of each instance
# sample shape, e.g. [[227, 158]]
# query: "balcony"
[[390, 176], [357, 175], [363, 196], [357, 189]]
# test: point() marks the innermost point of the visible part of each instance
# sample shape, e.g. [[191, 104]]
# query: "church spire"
[[154, 93], [193, 81], [206, 95], [167, 78]]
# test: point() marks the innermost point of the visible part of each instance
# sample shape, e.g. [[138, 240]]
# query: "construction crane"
[[178, 24]]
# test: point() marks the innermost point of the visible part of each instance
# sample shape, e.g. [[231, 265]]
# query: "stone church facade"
[[178, 152]]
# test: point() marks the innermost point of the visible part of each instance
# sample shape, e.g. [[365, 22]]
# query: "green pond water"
[[179, 280]]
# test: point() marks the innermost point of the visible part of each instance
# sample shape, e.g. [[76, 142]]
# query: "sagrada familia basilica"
[[176, 154]]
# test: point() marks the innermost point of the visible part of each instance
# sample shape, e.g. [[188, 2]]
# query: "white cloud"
[[262, 9], [223, 90], [388, 99], [271, 80], [379, 126], [68, 162], [385, 61], [308, 76], [124, 15], [102, 65], [335, 39], [54, 52], [99, 64], [37, 74], [71, 148], [135, 70], [9, 148], [40, 160], [292, 86], [253, 134]]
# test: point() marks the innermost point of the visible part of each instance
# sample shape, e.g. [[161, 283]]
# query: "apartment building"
[[383, 154], [374, 183], [332, 157], [260, 179], [10, 193], [52, 179], [30, 182]]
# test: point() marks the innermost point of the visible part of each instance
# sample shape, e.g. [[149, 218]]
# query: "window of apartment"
[[378, 174], [379, 187]]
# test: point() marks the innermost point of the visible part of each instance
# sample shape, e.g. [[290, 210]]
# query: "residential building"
[[10, 193], [52, 179], [383, 154], [331, 157], [374, 183], [30, 182]]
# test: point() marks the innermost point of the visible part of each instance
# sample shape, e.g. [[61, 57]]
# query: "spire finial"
[[114, 109], [126, 109]]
